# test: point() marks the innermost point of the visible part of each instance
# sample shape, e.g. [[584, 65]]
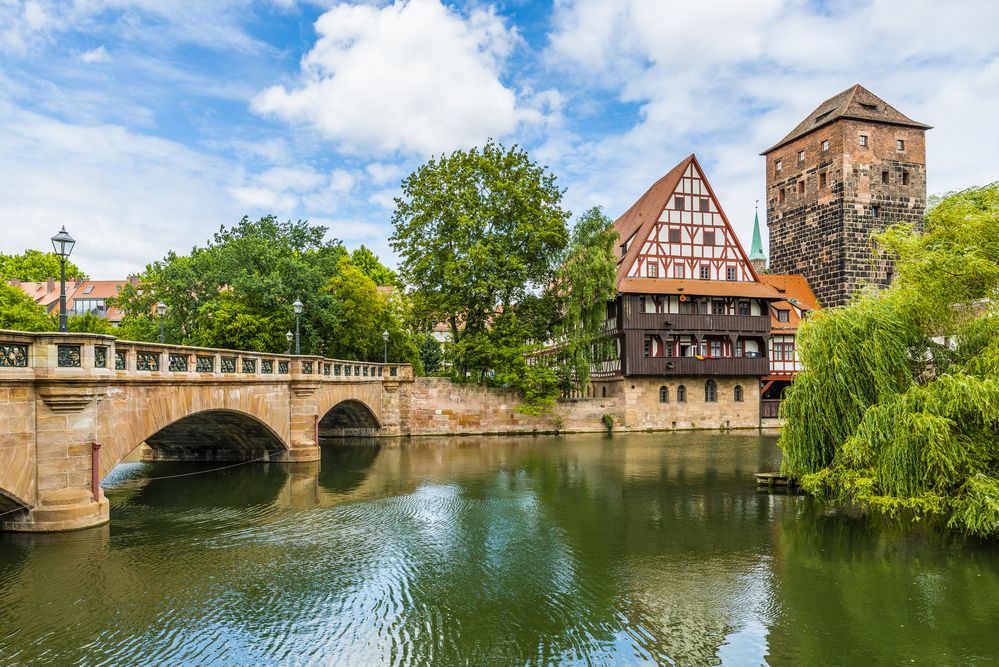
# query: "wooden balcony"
[[677, 366], [674, 322]]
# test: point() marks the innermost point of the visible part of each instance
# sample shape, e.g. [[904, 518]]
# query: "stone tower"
[[852, 167], [756, 256]]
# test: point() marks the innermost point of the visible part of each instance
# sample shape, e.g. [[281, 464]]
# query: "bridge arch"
[[350, 417], [213, 434]]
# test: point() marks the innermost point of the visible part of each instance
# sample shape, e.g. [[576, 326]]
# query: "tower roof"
[[756, 252], [856, 103]]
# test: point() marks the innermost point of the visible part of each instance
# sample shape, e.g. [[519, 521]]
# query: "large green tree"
[[35, 266], [897, 408], [19, 312], [250, 274], [477, 231]]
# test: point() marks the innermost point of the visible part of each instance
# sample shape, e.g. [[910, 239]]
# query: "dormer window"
[[783, 316], [869, 106]]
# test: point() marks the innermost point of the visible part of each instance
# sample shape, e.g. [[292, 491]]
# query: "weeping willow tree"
[[584, 284], [897, 409]]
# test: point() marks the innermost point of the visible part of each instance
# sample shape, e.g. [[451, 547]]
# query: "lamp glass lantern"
[[62, 244], [297, 307]]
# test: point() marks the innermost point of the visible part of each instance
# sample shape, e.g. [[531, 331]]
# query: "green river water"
[[578, 550]]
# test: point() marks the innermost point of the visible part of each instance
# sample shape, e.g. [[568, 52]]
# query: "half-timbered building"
[[693, 324]]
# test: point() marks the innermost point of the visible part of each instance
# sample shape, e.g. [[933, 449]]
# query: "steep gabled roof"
[[635, 224], [856, 103]]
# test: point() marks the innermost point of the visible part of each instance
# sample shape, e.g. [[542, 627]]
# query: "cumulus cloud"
[[414, 76]]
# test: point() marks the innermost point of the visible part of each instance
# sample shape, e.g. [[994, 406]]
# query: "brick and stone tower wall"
[[853, 167]]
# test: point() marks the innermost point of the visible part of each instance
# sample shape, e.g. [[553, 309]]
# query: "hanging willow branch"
[[887, 415]]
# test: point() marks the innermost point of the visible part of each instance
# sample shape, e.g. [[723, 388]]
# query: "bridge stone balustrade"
[[72, 406]]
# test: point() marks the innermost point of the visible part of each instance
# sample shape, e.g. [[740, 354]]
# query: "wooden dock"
[[775, 480]]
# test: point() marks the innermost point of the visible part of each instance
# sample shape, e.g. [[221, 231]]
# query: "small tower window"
[[710, 391], [884, 176], [681, 394], [777, 165], [863, 140], [780, 196], [900, 145], [801, 156], [801, 187], [663, 395], [603, 392], [678, 203], [674, 235], [730, 273], [705, 272], [822, 180], [825, 144], [738, 393], [709, 238], [905, 178]]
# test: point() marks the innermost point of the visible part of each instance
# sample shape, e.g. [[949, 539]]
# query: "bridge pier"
[[65, 434]]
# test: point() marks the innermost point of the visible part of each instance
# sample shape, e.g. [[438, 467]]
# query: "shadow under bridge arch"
[[349, 418], [216, 435]]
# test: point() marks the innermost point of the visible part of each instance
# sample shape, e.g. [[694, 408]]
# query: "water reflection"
[[645, 549]]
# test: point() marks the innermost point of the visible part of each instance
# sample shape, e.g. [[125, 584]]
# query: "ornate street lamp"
[[63, 244], [385, 337], [290, 336], [161, 309], [297, 307]]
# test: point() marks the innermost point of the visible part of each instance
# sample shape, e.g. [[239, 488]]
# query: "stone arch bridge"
[[72, 406]]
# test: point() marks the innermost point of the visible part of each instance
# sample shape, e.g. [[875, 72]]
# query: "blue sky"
[[144, 125]]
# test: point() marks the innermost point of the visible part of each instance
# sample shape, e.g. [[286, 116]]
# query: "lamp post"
[[289, 336], [161, 309], [385, 337], [297, 306], [63, 244]]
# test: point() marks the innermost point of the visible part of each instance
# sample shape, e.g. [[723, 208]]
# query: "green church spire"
[[756, 252]]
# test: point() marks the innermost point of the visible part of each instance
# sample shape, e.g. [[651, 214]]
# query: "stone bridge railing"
[[50, 355]]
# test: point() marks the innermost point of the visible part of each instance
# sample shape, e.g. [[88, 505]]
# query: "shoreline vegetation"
[[897, 409]]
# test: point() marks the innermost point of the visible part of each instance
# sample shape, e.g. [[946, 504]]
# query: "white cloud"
[[98, 55], [414, 76]]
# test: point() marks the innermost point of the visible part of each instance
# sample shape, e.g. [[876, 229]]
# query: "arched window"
[[738, 393], [681, 394], [663, 395], [603, 392], [710, 391]]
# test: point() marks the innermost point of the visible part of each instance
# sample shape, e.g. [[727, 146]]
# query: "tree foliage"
[[478, 232], [584, 285], [237, 293], [19, 311], [35, 266], [898, 406]]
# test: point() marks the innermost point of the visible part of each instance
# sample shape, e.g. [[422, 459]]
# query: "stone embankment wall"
[[439, 406]]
